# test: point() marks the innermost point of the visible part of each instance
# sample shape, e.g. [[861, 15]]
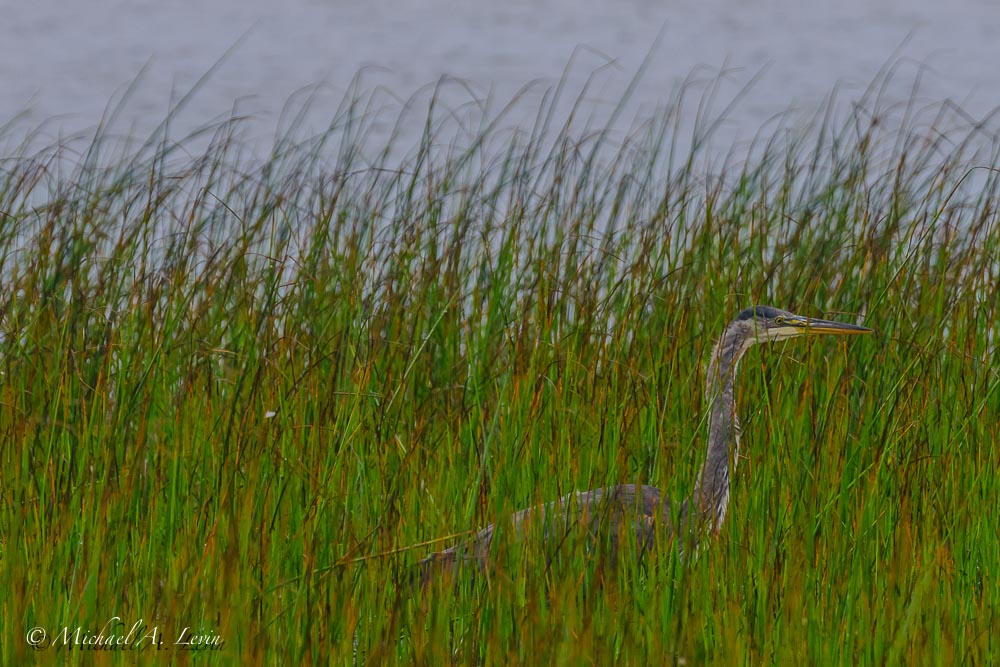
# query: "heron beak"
[[814, 326]]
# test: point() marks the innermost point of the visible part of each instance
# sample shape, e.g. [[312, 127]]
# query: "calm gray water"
[[62, 61]]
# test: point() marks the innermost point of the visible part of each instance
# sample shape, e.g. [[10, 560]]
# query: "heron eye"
[[779, 320]]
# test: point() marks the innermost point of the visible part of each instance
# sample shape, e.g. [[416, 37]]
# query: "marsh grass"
[[237, 391]]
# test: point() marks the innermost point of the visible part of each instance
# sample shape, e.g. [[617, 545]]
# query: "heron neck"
[[711, 495]]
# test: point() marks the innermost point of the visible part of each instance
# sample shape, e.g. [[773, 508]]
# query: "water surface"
[[63, 61]]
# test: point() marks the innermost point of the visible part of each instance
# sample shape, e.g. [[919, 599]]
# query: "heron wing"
[[607, 514]]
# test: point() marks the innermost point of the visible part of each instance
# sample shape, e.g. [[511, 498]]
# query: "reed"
[[241, 394]]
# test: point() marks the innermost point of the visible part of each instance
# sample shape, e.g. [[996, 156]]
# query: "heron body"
[[632, 511]]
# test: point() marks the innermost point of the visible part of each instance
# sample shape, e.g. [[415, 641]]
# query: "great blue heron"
[[610, 513]]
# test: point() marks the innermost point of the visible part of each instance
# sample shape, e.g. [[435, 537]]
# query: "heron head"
[[773, 324]]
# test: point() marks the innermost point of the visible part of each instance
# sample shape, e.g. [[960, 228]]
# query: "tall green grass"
[[246, 395]]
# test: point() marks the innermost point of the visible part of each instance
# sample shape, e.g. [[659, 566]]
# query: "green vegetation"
[[234, 393]]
